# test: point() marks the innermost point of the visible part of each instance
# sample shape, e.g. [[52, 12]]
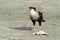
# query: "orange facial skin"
[[29, 9]]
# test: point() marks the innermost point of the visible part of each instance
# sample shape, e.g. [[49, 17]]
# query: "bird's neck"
[[32, 11]]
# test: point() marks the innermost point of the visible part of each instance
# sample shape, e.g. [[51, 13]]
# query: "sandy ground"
[[16, 25]]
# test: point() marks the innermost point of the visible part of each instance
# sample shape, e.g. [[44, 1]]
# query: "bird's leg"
[[39, 25], [34, 27]]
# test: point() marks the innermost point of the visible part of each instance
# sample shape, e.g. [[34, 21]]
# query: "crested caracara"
[[35, 16]]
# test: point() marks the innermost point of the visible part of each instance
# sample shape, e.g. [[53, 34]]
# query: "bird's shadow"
[[22, 28]]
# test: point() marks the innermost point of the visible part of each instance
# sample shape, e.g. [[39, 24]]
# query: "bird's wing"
[[40, 14]]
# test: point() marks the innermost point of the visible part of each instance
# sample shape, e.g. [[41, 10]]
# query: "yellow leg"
[[39, 28], [34, 28]]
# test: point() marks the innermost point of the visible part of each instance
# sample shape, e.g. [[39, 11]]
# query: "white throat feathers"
[[34, 14]]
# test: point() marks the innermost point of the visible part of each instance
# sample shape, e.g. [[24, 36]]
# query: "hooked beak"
[[29, 9]]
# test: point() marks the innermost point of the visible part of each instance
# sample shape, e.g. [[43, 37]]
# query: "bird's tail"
[[43, 21]]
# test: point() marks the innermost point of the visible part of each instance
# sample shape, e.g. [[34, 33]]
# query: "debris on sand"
[[40, 33]]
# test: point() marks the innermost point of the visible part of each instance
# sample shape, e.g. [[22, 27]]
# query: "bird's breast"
[[34, 15]]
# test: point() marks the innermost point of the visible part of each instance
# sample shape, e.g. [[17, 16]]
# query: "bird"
[[35, 16]]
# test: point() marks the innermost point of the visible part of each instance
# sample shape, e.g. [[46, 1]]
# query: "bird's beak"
[[28, 9]]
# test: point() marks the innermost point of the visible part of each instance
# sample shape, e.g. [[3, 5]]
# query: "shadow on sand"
[[23, 28]]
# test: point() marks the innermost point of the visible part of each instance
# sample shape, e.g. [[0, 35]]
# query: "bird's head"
[[29, 8]]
